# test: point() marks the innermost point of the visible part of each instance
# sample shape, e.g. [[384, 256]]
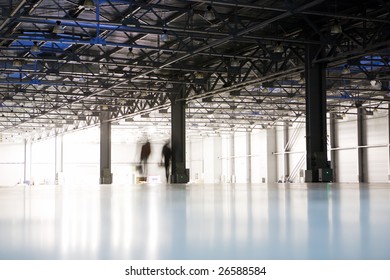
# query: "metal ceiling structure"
[[240, 63]]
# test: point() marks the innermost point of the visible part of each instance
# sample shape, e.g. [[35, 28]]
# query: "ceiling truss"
[[240, 63]]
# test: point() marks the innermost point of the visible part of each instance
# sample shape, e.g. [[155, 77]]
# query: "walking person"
[[145, 153], [166, 156]]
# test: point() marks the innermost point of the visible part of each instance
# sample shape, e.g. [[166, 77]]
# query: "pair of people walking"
[[166, 155]]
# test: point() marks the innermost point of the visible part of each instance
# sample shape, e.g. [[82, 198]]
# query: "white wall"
[[293, 159], [43, 162], [212, 159], [227, 160], [259, 156], [81, 156], [240, 157], [232, 157], [375, 150], [195, 158], [297, 155], [11, 163]]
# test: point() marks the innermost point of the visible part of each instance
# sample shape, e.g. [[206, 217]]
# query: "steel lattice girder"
[[115, 58]]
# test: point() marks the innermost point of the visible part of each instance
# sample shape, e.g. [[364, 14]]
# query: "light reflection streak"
[[80, 227], [196, 222]]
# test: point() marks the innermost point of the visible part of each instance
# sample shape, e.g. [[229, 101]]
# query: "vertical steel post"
[[178, 136], [249, 158], [318, 169], [105, 148], [333, 144], [360, 144]]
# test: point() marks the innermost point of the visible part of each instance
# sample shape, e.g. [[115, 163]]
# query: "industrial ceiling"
[[240, 63]]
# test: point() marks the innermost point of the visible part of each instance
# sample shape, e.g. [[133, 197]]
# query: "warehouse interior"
[[277, 113]]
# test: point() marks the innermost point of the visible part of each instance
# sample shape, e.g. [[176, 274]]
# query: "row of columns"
[[318, 168], [179, 172]]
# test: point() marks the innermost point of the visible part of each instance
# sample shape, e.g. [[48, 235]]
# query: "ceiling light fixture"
[[63, 88], [376, 84], [336, 28], [82, 79], [104, 69], [199, 75], [234, 62], [17, 63], [130, 53], [35, 48], [264, 89], [278, 48], [58, 29], [164, 37], [89, 4], [346, 70], [302, 80], [209, 14]]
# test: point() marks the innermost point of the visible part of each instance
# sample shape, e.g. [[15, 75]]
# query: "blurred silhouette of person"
[[145, 153], [166, 156]]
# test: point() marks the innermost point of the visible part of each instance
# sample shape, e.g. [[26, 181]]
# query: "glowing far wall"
[[259, 156], [11, 163]]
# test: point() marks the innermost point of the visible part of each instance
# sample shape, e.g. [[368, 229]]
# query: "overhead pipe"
[[274, 9], [148, 29]]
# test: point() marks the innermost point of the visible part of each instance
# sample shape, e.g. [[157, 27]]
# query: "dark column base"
[[320, 175], [105, 177], [181, 176]]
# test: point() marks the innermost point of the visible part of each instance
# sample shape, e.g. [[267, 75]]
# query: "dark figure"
[[145, 153], [166, 154]]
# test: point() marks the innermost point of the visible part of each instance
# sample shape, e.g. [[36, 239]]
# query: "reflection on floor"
[[263, 221]]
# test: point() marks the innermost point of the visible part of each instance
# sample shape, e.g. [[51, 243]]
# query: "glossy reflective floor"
[[265, 221]]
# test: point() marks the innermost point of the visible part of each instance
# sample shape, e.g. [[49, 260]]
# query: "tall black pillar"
[[360, 143], [334, 144], [105, 148], [178, 135], [318, 169]]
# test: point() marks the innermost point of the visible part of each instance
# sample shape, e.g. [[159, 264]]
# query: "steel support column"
[[105, 148], [318, 169], [232, 159], [286, 156], [59, 159], [249, 158], [388, 142], [178, 135], [333, 144], [360, 143]]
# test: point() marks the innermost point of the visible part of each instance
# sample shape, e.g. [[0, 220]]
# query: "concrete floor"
[[258, 221]]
